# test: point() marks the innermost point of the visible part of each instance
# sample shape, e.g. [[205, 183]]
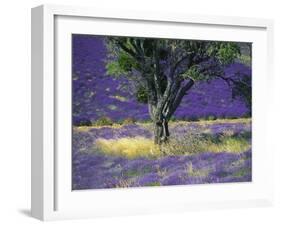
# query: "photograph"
[[152, 111]]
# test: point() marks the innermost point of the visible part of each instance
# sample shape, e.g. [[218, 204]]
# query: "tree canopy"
[[164, 70]]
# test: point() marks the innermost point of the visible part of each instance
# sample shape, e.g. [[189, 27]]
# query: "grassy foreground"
[[198, 152], [199, 138]]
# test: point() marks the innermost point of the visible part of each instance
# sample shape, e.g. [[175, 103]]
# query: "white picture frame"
[[52, 197]]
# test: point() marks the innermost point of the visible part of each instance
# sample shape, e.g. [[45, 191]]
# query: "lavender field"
[[96, 95], [116, 142], [229, 160]]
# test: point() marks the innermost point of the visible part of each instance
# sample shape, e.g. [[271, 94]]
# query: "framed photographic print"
[[134, 112]]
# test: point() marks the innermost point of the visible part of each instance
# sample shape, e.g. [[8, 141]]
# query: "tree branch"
[[179, 97], [156, 75], [126, 49]]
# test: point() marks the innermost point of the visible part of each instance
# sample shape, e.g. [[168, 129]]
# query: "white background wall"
[[15, 111]]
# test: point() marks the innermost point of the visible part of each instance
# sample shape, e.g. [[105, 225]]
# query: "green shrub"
[[129, 120], [103, 121], [173, 119], [141, 95], [211, 117], [193, 118], [84, 122], [244, 59]]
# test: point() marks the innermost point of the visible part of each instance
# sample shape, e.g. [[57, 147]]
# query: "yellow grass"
[[230, 144], [87, 128], [121, 98], [129, 147], [210, 122], [238, 120], [171, 124], [142, 147], [190, 145]]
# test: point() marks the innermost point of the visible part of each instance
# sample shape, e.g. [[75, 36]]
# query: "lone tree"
[[164, 70]]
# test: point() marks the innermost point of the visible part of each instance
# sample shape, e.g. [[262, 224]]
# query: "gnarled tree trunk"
[[161, 132]]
